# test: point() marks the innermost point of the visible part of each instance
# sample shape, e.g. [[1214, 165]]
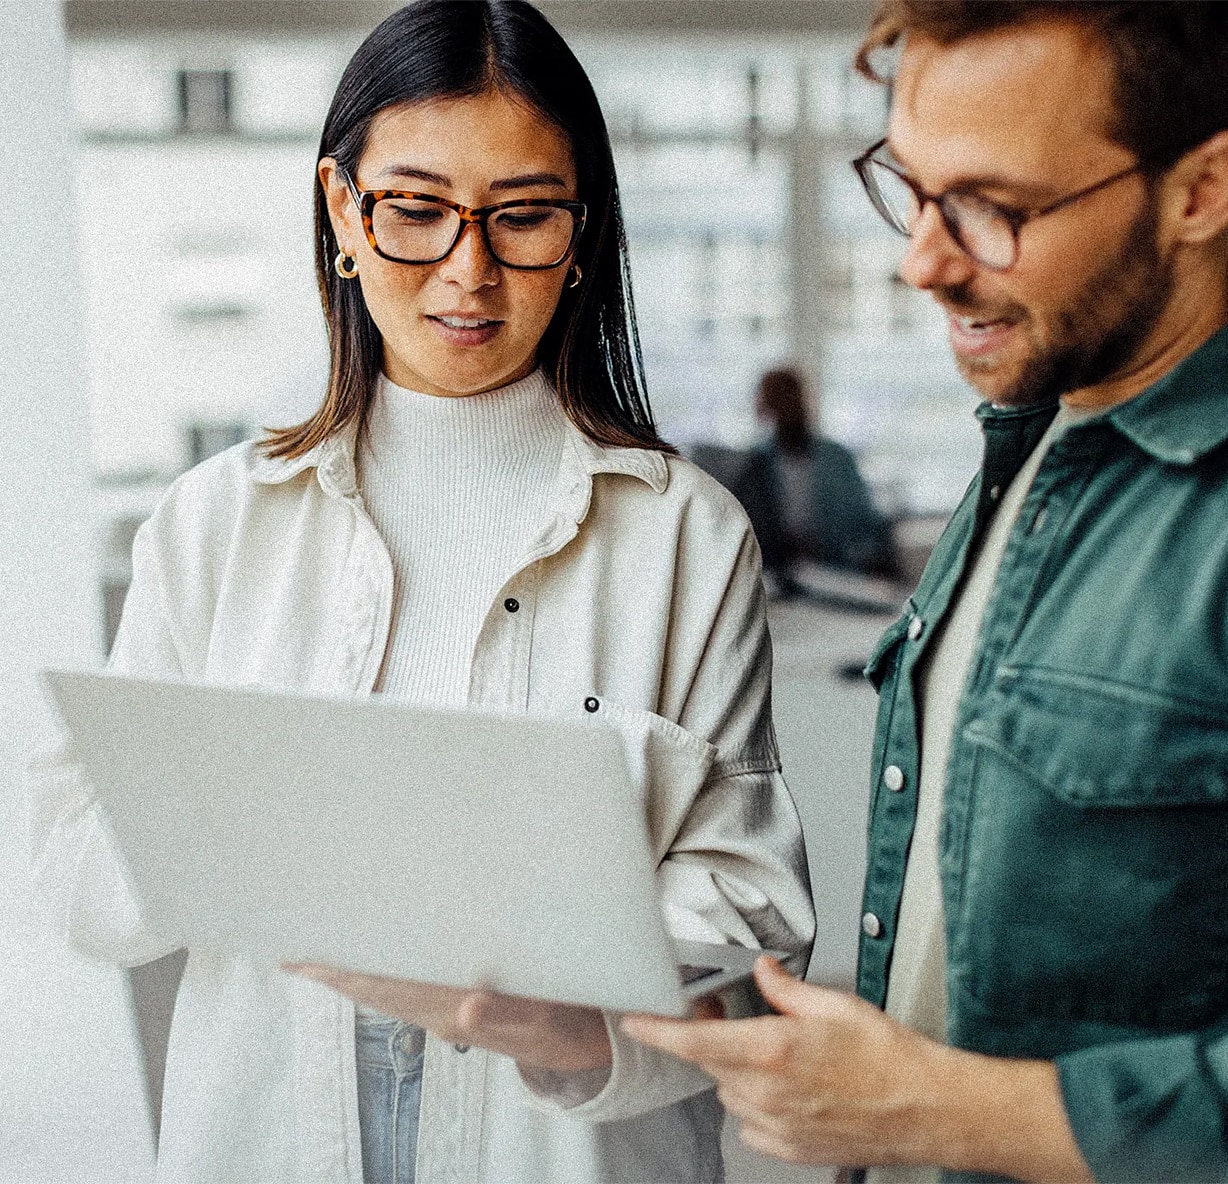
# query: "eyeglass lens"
[[978, 226], [519, 236]]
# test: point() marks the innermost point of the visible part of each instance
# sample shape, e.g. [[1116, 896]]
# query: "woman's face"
[[466, 324]]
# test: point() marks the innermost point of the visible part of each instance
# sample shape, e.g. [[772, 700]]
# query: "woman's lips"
[[457, 329]]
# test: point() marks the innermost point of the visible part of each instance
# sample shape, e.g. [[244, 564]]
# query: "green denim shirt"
[[1083, 850]]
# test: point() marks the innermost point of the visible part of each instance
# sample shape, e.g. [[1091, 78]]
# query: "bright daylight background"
[[159, 304]]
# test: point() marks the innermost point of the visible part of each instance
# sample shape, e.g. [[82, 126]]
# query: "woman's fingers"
[[425, 1004], [549, 1035]]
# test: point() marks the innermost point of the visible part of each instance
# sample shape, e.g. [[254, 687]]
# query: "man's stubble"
[[1100, 330]]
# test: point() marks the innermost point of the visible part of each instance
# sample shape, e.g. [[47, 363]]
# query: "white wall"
[[73, 1100]]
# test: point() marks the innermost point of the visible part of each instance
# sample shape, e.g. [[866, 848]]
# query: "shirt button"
[[591, 704], [995, 493], [915, 628], [893, 778], [512, 604], [871, 926]]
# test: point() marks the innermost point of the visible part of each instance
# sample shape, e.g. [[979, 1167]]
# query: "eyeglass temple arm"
[[349, 184]]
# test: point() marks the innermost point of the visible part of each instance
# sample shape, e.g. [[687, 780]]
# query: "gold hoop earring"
[[339, 266], [575, 281]]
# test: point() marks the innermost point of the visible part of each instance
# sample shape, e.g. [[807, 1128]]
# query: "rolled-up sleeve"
[[736, 864], [1153, 1109]]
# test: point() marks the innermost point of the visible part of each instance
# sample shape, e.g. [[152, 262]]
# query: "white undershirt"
[[456, 488]]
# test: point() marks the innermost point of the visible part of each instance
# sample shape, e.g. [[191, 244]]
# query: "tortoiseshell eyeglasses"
[[529, 234]]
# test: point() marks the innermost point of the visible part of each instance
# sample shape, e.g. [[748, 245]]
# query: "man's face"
[[1021, 117]]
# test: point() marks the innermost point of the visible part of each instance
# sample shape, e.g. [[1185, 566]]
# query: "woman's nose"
[[470, 263]]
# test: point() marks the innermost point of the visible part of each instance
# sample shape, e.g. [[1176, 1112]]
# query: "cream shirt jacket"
[[641, 590]]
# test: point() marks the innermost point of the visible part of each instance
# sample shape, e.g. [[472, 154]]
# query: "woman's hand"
[[556, 1037]]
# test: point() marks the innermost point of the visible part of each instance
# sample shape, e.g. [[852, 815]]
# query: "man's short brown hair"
[[1170, 58]]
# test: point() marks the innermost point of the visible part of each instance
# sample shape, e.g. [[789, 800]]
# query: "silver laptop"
[[453, 847]]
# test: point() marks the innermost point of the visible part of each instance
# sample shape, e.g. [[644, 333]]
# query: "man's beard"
[[1101, 329]]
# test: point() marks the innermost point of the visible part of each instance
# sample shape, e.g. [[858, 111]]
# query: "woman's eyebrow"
[[521, 181], [416, 174], [527, 179]]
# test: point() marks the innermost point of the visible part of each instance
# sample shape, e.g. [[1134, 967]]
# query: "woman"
[[480, 513]]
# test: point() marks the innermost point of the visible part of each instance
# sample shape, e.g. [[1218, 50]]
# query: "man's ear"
[[1200, 180]]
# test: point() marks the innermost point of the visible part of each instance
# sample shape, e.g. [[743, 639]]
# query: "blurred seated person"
[[805, 496]]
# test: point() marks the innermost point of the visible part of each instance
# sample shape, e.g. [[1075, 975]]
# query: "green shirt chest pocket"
[[1093, 869]]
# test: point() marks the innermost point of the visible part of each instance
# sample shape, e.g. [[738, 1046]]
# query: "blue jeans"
[[389, 1056]]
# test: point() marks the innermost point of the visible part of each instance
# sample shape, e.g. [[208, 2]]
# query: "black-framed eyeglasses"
[[985, 230], [529, 234]]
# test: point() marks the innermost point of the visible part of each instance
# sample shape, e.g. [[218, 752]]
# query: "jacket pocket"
[[668, 764], [1093, 867], [1098, 743]]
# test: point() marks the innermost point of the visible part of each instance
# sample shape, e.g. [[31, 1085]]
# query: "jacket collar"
[[1184, 415], [1178, 419], [645, 463], [333, 461]]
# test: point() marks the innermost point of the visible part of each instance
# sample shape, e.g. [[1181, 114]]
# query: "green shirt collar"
[[1178, 419], [1184, 415]]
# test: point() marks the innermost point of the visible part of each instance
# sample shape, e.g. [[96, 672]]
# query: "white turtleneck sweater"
[[456, 488]]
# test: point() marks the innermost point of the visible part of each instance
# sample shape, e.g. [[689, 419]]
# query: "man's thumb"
[[786, 994]]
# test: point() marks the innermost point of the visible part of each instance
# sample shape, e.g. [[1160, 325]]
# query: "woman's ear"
[[1201, 177], [342, 212]]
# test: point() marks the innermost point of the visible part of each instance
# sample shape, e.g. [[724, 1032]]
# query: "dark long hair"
[[448, 49]]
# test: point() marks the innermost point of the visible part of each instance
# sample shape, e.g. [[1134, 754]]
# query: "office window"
[[205, 100]]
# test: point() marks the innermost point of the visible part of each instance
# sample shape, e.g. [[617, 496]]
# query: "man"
[[1046, 902]]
